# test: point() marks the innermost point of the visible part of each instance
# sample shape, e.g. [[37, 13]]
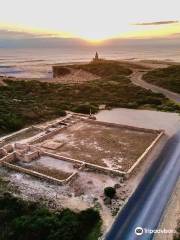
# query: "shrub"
[[109, 192], [22, 220], [85, 108], [12, 122], [165, 77], [177, 234], [60, 112], [60, 71]]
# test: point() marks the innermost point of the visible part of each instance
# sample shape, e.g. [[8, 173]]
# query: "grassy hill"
[[104, 68], [168, 78]]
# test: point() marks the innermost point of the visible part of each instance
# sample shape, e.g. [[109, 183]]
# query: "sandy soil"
[[76, 76]]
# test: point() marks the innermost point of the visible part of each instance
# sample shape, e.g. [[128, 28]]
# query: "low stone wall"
[[2, 142], [3, 152], [9, 158], [105, 170], [53, 123], [53, 155], [46, 135], [32, 173], [29, 152], [122, 126], [27, 157], [146, 152], [71, 178], [31, 156], [6, 138], [85, 164], [21, 146], [8, 148]]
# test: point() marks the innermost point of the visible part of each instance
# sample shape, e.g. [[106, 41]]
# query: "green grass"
[[168, 78], [23, 103]]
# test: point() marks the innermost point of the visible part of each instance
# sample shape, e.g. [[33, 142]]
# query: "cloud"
[[155, 23], [21, 39], [4, 34]]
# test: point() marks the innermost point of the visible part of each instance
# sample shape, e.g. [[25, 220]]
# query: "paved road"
[[136, 78], [147, 204]]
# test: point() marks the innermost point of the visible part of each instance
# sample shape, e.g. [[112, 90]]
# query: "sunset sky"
[[91, 20]]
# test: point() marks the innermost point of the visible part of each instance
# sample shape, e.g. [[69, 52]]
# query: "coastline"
[[133, 64]]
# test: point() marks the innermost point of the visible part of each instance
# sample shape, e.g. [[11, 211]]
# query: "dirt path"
[[136, 78]]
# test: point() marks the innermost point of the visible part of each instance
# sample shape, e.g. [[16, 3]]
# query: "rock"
[[122, 184], [113, 201], [92, 117], [76, 166], [78, 192], [117, 185], [107, 201], [90, 182], [121, 179], [114, 211], [97, 205], [123, 197], [69, 194]]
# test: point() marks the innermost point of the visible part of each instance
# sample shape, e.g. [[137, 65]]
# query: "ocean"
[[37, 62]]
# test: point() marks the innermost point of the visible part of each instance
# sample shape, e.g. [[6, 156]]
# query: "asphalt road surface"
[[136, 78]]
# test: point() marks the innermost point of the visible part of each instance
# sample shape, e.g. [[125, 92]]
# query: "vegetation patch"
[[109, 192], [104, 68], [177, 234], [23, 103], [168, 78], [60, 71], [24, 220]]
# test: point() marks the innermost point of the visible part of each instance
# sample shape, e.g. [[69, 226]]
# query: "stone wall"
[[145, 154], [122, 126], [37, 174], [46, 135], [8, 148], [8, 158], [32, 173], [9, 137], [3, 153], [85, 164]]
